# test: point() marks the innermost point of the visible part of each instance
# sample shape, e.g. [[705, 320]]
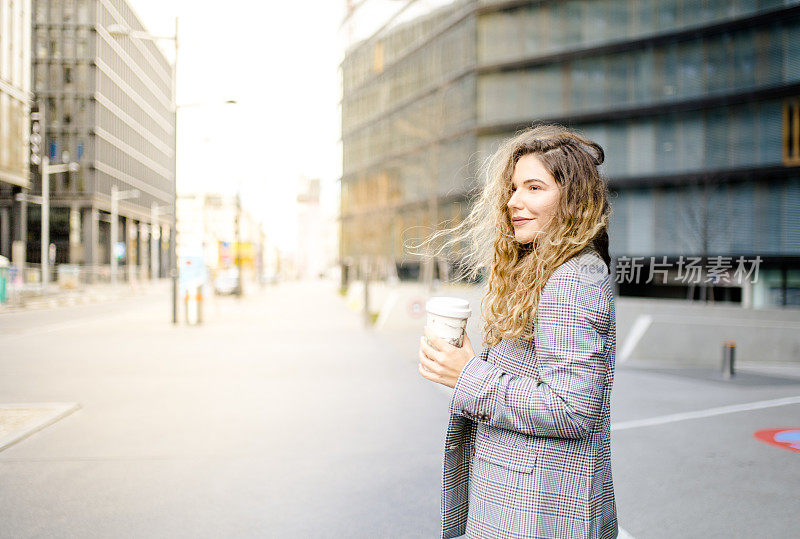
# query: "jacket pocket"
[[507, 448]]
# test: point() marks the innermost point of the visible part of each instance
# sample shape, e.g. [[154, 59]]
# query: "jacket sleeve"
[[570, 337]]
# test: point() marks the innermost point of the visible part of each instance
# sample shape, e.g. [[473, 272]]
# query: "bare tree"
[[702, 219]]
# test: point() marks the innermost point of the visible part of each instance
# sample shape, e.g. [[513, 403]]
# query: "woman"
[[527, 451]]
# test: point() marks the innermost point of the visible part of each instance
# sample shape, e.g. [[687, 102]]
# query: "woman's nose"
[[512, 202]]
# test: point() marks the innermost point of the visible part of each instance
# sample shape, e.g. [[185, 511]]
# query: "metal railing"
[[17, 285]]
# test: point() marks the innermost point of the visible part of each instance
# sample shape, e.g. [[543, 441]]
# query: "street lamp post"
[[173, 230], [155, 210], [119, 30], [46, 170]]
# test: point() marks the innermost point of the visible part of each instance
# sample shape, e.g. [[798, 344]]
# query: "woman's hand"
[[443, 362]]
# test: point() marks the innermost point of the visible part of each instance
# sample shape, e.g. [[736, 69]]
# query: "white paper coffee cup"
[[447, 318]]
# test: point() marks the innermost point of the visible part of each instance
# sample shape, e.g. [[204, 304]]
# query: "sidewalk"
[[18, 421], [85, 293]]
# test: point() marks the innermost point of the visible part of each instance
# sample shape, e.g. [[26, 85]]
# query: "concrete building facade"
[[311, 230], [694, 101], [106, 103], [15, 99]]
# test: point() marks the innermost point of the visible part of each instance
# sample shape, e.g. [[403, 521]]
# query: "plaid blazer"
[[528, 445]]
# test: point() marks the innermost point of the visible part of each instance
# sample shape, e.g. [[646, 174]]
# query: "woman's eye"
[[534, 187]]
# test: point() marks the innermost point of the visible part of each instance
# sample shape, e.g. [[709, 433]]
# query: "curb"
[[55, 411]]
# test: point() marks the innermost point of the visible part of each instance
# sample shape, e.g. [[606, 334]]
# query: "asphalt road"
[[282, 417]]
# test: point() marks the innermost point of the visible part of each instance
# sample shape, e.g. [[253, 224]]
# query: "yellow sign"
[[231, 252]]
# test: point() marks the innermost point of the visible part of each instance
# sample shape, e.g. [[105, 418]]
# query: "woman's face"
[[534, 198]]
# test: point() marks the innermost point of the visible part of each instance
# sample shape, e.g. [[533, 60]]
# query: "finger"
[[421, 366], [429, 350], [439, 343], [426, 373], [429, 364], [429, 335]]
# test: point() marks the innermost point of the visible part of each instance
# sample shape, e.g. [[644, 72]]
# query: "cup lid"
[[451, 307]]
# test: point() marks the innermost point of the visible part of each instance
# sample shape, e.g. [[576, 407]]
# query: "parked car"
[[226, 282]]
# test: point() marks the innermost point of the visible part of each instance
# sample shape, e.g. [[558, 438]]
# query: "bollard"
[[187, 307], [192, 308], [199, 304], [728, 359]]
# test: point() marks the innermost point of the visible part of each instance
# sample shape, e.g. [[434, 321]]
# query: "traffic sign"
[[36, 136], [416, 308]]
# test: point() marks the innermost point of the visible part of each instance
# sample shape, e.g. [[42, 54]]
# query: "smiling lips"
[[519, 221]]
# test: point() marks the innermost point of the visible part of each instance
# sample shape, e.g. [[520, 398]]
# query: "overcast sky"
[[280, 61]]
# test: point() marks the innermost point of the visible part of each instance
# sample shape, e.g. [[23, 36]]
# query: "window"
[[791, 132], [41, 42], [717, 66], [82, 77], [744, 59], [770, 135], [742, 127], [690, 143], [667, 14], [690, 68], [40, 11], [791, 58], [643, 20], [617, 79], [666, 149], [83, 11], [41, 77], [716, 128]]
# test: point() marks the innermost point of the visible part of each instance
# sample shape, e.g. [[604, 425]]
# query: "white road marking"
[[710, 412], [640, 326]]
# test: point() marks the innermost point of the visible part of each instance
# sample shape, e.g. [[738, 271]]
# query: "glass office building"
[[106, 103], [695, 103]]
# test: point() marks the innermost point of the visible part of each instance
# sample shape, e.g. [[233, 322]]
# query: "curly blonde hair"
[[485, 238]]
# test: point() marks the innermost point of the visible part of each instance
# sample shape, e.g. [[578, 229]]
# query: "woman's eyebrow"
[[531, 180]]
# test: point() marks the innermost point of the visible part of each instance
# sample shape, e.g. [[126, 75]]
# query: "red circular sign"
[[416, 308], [785, 437]]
